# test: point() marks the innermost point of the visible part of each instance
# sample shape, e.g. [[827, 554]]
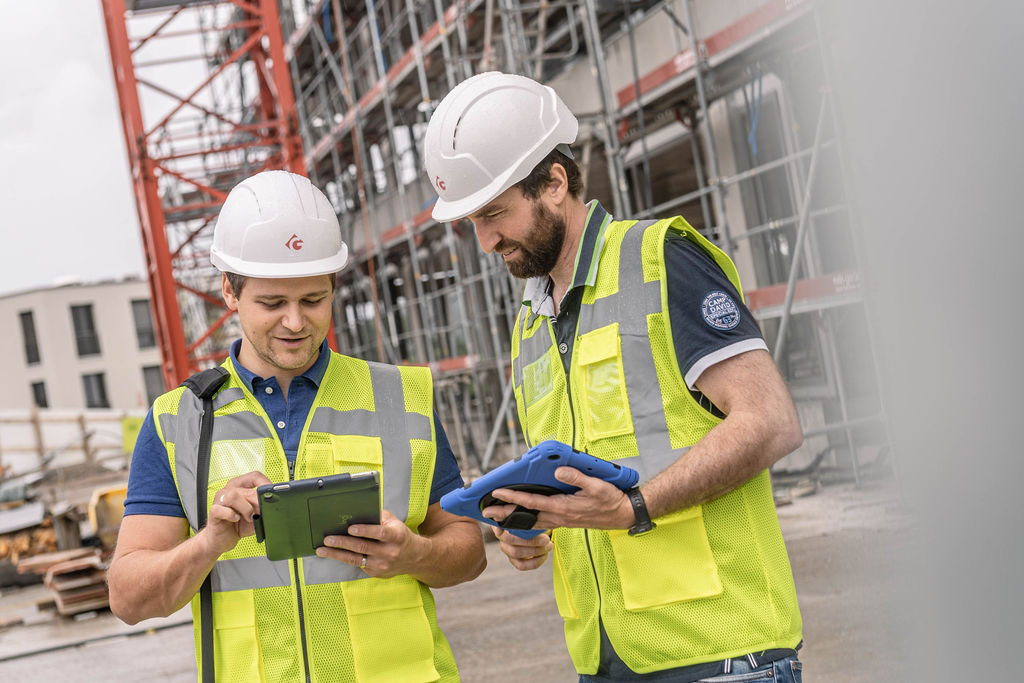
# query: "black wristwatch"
[[643, 522]]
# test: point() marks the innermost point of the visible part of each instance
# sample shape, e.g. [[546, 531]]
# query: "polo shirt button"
[[280, 425], [269, 390], [563, 347]]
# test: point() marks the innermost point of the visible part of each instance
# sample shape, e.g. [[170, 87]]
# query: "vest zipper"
[[298, 593], [302, 621], [586, 532], [568, 383]]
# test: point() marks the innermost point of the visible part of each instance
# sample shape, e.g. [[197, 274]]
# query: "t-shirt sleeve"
[[151, 488], [447, 476], [710, 323]]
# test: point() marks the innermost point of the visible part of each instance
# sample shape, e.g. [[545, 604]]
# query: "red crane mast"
[[195, 125]]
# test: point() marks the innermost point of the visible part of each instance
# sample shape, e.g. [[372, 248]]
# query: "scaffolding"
[[721, 112]]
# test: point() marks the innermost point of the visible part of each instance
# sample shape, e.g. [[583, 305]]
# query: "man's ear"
[[557, 188], [230, 300]]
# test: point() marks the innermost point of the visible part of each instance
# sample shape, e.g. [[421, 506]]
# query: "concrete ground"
[[504, 626]]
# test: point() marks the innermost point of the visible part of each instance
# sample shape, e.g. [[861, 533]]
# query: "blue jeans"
[[786, 670], [781, 671]]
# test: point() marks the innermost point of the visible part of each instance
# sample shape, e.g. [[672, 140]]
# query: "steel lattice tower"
[[194, 126]]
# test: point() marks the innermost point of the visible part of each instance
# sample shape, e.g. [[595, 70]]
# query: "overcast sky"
[[65, 189]]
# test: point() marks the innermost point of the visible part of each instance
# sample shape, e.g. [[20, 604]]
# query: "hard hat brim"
[[324, 266], [445, 211]]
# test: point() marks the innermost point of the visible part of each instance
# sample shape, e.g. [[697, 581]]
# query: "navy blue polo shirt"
[[151, 489]]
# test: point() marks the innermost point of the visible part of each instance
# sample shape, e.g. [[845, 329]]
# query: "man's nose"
[[487, 238], [293, 318]]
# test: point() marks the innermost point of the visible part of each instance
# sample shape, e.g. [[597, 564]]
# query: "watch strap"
[[642, 523]]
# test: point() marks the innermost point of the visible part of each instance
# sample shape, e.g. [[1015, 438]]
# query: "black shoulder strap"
[[205, 384]]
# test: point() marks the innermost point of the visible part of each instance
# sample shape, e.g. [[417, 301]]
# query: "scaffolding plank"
[[716, 43], [826, 291], [39, 564]]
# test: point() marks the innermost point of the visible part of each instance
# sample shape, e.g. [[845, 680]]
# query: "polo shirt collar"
[[314, 374], [537, 291]]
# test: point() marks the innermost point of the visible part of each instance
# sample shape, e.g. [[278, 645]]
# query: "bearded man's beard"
[[539, 252]]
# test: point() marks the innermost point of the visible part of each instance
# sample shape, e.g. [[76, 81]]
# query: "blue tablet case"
[[533, 472]]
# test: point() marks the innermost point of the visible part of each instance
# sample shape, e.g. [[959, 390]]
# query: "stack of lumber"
[[77, 578], [15, 547], [25, 530]]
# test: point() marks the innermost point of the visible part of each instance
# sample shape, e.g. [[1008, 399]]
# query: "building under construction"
[[718, 110]]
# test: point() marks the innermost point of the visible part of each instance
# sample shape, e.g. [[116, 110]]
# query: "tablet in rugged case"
[[533, 472], [295, 515]]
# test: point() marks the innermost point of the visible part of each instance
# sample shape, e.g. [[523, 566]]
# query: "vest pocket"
[[356, 453], [683, 567], [537, 379], [236, 648], [563, 594], [379, 611], [542, 401], [605, 405]]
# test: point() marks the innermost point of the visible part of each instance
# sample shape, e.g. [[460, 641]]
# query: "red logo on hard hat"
[[439, 182], [294, 243]]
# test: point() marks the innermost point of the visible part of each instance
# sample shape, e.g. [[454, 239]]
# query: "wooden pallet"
[[78, 584], [77, 578], [39, 564]]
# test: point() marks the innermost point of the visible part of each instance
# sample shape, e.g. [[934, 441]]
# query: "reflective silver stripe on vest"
[[244, 425], [517, 361], [530, 350], [183, 431], [248, 573], [648, 465], [226, 396], [630, 307], [395, 427], [317, 570]]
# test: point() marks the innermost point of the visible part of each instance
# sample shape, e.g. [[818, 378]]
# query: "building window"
[[85, 330], [28, 335], [143, 324], [153, 376], [39, 394], [95, 391]]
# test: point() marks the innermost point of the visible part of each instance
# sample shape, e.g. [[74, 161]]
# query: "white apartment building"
[[80, 346]]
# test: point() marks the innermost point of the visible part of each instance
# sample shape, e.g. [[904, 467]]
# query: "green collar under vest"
[[536, 294]]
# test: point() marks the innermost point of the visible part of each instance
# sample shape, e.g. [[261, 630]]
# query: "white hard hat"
[[277, 224], [489, 133]]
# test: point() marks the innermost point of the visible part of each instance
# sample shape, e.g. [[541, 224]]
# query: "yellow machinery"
[[105, 510]]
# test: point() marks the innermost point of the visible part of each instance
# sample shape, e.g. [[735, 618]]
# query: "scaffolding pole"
[[592, 34], [801, 234], [709, 137]]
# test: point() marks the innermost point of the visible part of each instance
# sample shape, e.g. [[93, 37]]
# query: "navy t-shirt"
[[709, 320], [151, 489]]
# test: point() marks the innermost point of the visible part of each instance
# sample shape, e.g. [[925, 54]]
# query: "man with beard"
[[289, 408], [633, 344]]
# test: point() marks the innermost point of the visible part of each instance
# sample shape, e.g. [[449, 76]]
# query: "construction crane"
[[195, 123]]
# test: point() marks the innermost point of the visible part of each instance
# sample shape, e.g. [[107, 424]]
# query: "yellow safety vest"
[[314, 618], [710, 582]]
